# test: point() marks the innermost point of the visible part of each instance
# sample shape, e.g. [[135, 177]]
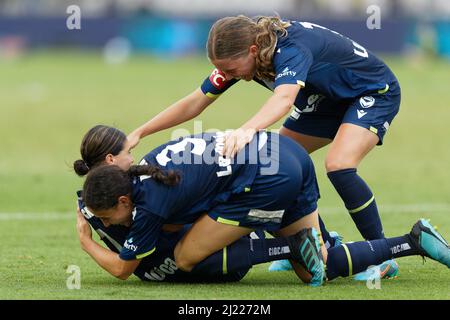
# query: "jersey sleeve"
[[216, 84], [144, 233], [291, 65]]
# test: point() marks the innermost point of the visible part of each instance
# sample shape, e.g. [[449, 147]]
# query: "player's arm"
[[185, 109], [276, 107], [291, 65], [108, 260], [181, 111]]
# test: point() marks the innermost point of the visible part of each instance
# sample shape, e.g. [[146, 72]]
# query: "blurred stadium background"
[[130, 60]]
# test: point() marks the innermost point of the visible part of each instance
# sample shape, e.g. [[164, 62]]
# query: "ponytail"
[[168, 178], [80, 167], [98, 142], [269, 28]]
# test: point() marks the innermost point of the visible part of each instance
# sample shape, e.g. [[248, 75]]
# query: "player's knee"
[[333, 163], [182, 261]]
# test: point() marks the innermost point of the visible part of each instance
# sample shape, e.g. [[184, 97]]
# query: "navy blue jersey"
[[207, 179], [159, 266], [320, 58]]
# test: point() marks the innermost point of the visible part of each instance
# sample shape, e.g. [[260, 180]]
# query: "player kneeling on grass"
[[146, 197]]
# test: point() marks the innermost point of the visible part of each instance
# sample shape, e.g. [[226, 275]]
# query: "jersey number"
[[358, 49], [198, 149]]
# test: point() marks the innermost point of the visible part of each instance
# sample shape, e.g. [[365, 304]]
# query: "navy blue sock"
[[242, 255], [232, 258], [354, 257], [359, 201], [327, 239], [265, 250], [402, 246]]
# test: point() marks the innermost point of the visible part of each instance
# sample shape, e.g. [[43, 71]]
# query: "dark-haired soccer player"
[[175, 184]]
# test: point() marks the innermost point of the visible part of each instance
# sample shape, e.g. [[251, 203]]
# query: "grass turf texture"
[[49, 100]]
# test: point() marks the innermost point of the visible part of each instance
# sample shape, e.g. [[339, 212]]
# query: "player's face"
[[124, 159], [120, 214], [238, 68]]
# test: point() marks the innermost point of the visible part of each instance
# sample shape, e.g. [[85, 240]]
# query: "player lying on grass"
[[185, 189], [106, 145], [229, 264]]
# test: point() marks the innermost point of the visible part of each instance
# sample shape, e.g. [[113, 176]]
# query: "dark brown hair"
[[105, 184], [97, 143]]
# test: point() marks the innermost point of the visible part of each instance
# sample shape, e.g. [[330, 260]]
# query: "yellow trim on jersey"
[[384, 90], [224, 261], [349, 259], [301, 83], [212, 95], [226, 221], [365, 205], [247, 189], [373, 129], [140, 256]]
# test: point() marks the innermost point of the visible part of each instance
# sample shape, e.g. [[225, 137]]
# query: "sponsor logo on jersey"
[[311, 106], [296, 113], [129, 245], [285, 72], [367, 101], [218, 79], [313, 102], [361, 113]]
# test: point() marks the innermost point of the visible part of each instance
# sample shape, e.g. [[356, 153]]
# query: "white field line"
[[425, 208]]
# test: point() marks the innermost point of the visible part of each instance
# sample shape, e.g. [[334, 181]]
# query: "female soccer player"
[[343, 94], [237, 195], [106, 145]]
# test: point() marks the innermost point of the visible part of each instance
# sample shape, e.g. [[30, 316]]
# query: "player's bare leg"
[[310, 143], [351, 144], [205, 237]]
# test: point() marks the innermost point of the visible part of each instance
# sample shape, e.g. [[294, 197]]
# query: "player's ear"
[[253, 50], [109, 159], [125, 201]]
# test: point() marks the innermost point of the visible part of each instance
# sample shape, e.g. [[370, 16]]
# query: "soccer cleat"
[[280, 265], [305, 249], [430, 243], [386, 270], [337, 238], [285, 265]]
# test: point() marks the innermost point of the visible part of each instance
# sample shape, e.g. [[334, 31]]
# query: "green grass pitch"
[[48, 100]]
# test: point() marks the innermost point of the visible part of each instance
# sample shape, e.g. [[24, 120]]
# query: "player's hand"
[[236, 141], [83, 227], [133, 139]]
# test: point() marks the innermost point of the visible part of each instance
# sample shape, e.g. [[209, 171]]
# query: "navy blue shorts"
[[277, 198], [321, 116]]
